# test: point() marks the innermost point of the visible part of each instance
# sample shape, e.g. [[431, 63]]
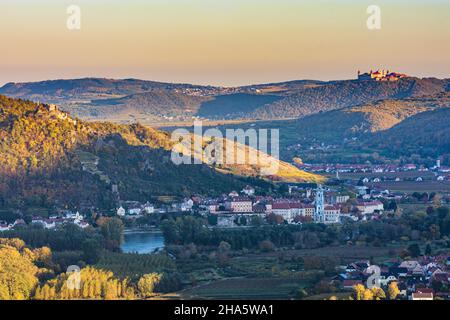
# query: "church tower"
[[319, 214]]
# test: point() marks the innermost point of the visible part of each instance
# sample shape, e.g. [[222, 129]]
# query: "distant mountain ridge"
[[398, 126], [342, 94], [133, 100]]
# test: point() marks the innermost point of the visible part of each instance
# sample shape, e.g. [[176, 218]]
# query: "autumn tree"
[[112, 231], [358, 291], [367, 294], [378, 293], [393, 290], [17, 274], [223, 252], [147, 284]]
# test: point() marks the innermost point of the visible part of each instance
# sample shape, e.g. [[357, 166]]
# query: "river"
[[142, 241]]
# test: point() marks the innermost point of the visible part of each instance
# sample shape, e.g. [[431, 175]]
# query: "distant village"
[[304, 203], [441, 173], [420, 279], [63, 217]]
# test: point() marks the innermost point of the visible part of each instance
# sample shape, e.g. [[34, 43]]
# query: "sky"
[[221, 42]]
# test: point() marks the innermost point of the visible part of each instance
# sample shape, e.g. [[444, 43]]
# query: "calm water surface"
[[142, 241]]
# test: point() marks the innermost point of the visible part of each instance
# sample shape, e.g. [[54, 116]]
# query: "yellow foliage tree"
[[17, 273], [358, 291], [368, 294], [393, 290], [147, 283], [378, 293]]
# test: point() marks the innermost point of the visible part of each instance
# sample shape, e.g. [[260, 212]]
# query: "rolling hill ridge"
[[133, 100], [49, 158]]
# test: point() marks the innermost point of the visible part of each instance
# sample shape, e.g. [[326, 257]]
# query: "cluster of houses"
[[317, 205], [312, 205], [438, 169], [133, 209], [422, 279], [49, 223]]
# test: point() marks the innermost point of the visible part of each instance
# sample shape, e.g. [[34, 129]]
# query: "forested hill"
[[363, 120], [47, 157], [426, 134], [341, 94], [132, 100]]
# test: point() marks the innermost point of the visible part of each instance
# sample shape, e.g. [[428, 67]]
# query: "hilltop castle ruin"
[[381, 75]]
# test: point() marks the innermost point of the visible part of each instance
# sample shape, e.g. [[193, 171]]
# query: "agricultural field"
[[414, 186], [408, 183], [245, 288], [271, 275], [404, 175]]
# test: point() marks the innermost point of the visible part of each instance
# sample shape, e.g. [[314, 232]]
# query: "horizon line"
[[2, 84]]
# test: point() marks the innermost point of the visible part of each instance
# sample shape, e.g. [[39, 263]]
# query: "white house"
[[362, 190], [332, 214], [4, 227], [386, 278], [212, 207], [283, 209], [47, 224], [134, 211], [187, 205], [239, 205], [339, 198], [121, 212], [149, 208], [81, 224], [289, 210], [248, 190], [233, 194], [370, 207]]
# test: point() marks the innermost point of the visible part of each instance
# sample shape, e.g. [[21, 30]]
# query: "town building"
[[319, 213], [380, 75], [248, 190], [148, 208], [332, 214], [369, 207], [121, 212], [338, 198], [239, 205]]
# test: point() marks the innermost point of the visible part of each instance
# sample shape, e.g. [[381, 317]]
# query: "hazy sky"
[[221, 42]]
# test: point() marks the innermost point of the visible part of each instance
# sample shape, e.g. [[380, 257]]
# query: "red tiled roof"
[[424, 290], [240, 199], [418, 295], [281, 205]]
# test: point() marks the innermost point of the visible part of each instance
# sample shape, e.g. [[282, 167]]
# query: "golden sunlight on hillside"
[[242, 160]]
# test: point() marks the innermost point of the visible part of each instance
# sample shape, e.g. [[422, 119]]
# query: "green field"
[[274, 275], [426, 175], [245, 288], [408, 183], [413, 186]]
